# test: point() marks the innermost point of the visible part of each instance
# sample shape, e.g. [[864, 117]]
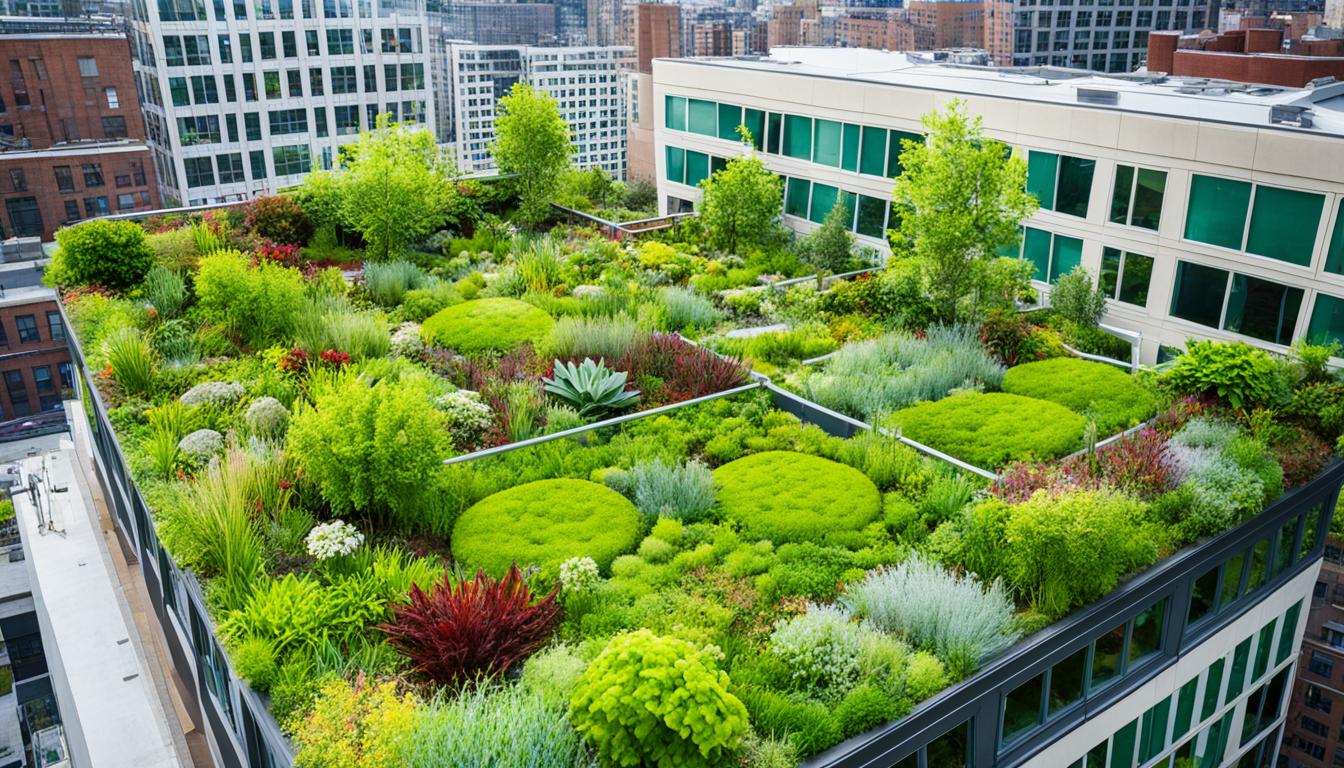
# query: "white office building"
[[588, 83], [244, 97]]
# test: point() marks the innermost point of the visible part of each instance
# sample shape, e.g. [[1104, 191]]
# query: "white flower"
[[578, 574], [334, 539], [220, 393], [406, 341], [467, 415]]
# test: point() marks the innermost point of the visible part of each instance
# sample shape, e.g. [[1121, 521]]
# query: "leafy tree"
[[532, 141], [113, 254], [1077, 299], [397, 187], [961, 200], [828, 248], [260, 303], [741, 205]]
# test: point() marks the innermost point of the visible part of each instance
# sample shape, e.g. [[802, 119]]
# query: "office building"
[[1208, 210], [72, 144], [927, 25], [654, 29], [712, 38], [243, 97], [1102, 38], [495, 23], [588, 83], [1314, 734]]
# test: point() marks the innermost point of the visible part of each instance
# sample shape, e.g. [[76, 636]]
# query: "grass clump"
[[681, 309], [785, 496], [503, 726], [544, 523], [992, 429], [132, 360], [1105, 393], [602, 338], [487, 325], [681, 491], [388, 281]]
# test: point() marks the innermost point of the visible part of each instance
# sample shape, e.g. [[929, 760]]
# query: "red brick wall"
[[21, 362], [47, 69], [1289, 71], [37, 172]]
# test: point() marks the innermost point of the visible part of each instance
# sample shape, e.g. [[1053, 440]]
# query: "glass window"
[[1066, 254], [1125, 276], [872, 217], [1288, 633], [849, 153], [754, 120], [27, 329], [951, 750], [795, 201], [774, 133], [1022, 708], [1066, 681], [826, 143], [1185, 709], [702, 117], [1241, 658], [823, 200], [1201, 596], [1199, 292], [1264, 644], [798, 137], [1284, 223], [42, 379], [1075, 185], [257, 159], [676, 164], [1108, 651], [1334, 255], [1146, 639], [1122, 745], [25, 216], [18, 394], [1213, 688], [675, 106], [1263, 309], [697, 167], [1036, 249], [1216, 213], [1154, 730], [730, 117], [1137, 197], [1121, 193], [1042, 168], [895, 147], [873, 156], [1327, 320]]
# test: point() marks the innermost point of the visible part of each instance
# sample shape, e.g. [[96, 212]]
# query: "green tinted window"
[[1134, 279], [1217, 210], [1259, 563], [1287, 546], [795, 202], [702, 117], [1122, 745], [1232, 574], [1075, 185], [849, 153], [1121, 192], [1022, 708], [1213, 688], [951, 750], [1107, 654], [1146, 638], [697, 167], [1241, 658], [730, 117], [873, 157], [798, 137], [1036, 249], [1067, 254], [826, 137], [1262, 649], [894, 149], [676, 164], [1284, 223], [1066, 680], [1201, 597], [1263, 309], [1327, 319], [1185, 709], [823, 200], [1154, 730], [717, 164], [1288, 633], [774, 132], [1096, 757], [872, 212], [675, 107], [754, 120], [1334, 255], [1041, 170], [1199, 292], [1147, 209]]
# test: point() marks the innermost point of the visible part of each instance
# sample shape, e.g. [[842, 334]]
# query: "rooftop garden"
[[715, 584]]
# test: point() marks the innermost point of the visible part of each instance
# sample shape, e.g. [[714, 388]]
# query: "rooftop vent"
[[1290, 114], [1320, 81], [1097, 96]]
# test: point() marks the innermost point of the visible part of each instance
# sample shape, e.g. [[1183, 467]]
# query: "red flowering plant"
[[293, 361], [335, 358], [285, 255], [459, 633]]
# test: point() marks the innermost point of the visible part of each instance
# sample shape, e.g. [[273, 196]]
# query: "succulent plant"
[[591, 387]]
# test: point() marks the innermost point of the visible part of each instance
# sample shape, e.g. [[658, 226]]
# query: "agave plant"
[[591, 387]]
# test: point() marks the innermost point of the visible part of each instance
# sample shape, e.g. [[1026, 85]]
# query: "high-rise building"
[[654, 29], [588, 83], [1314, 735], [571, 21], [1102, 38], [244, 97], [495, 23], [72, 144], [604, 19], [712, 38], [926, 25]]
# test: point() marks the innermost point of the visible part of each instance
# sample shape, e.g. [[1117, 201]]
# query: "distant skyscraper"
[[712, 38], [604, 22], [571, 21], [656, 33], [496, 23]]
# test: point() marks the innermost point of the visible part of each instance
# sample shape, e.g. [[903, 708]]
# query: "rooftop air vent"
[[1290, 114], [1096, 96], [1320, 81]]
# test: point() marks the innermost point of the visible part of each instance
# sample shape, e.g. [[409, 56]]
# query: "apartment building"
[[712, 38], [244, 97], [1314, 734], [654, 29], [1246, 55], [588, 83], [1207, 210], [495, 23], [1105, 37], [72, 144]]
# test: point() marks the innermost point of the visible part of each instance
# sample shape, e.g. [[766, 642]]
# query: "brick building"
[[1312, 736], [928, 25], [712, 38], [34, 359], [71, 137], [654, 29], [1247, 56]]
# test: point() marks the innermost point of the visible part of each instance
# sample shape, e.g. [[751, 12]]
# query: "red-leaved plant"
[[1140, 463], [686, 371], [479, 628]]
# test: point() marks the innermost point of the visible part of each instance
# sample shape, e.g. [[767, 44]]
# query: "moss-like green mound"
[[1104, 392], [785, 496], [545, 523], [994, 428], [486, 325]]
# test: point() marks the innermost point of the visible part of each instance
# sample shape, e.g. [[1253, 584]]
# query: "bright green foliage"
[[133, 363], [497, 726], [1077, 298], [1103, 392], [820, 647], [255, 661], [486, 325], [829, 248], [601, 338], [532, 141], [741, 205], [366, 725], [370, 448], [544, 523], [785, 496], [1236, 372], [925, 676], [396, 187], [961, 200], [260, 304], [658, 701], [388, 282], [165, 290], [1067, 550], [992, 429], [591, 387], [113, 254]]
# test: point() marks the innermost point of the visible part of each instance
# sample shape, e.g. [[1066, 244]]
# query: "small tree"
[[961, 199], [828, 248], [532, 141], [741, 204], [113, 254], [396, 188], [1077, 299]]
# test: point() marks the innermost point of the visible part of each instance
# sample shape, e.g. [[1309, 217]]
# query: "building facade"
[[241, 98], [588, 83], [34, 355], [1314, 735], [495, 23], [1103, 38], [1247, 56], [654, 29], [712, 38], [72, 144], [1209, 213]]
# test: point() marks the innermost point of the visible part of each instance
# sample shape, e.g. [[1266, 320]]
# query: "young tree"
[[741, 205], [829, 247], [1077, 298], [396, 187], [961, 199], [532, 141]]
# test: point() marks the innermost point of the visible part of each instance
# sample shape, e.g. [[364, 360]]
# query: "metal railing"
[[622, 229]]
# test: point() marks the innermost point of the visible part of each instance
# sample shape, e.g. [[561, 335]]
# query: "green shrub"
[[6, 680], [418, 304], [254, 660], [684, 491], [503, 726], [544, 523], [924, 677], [1077, 299], [362, 335], [1239, 374], [277, 218], [785, 496], [113, 254], [487, 325], [259, 303], [809, 726], [1105, 393], [992, 429], [387, 282], [866, 707], [660, 701], [367, 725], [821, 649], [681, 309], [601, 338], [133, 365], [165, 290]]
